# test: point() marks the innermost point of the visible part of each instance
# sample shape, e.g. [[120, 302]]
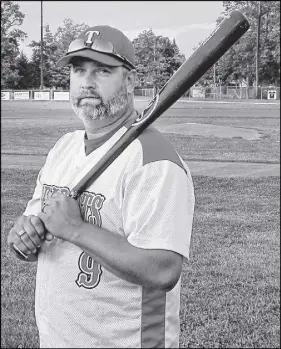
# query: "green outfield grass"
[[230, 294]]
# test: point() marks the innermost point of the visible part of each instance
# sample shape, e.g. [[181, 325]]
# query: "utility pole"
[[215, 75], [258, 49], [42, 67]]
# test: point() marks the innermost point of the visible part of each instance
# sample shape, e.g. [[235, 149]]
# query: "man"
[[109, 264]]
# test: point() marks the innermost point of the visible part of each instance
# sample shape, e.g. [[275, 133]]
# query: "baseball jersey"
[[146, 195]]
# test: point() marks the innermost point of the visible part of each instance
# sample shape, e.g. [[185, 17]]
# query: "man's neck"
[[102, 129]]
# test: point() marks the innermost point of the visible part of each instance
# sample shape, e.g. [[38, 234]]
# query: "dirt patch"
[[207, 130], [203, 168]]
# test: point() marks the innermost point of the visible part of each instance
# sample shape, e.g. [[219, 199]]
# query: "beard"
[[88, 112]]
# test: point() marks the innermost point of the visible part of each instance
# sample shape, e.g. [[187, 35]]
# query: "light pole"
[[258, 50], [42, 68]]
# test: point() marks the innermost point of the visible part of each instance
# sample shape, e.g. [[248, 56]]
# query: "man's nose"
[[89, 81]]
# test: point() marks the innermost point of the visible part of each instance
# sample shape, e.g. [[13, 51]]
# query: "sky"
[[189, 22]]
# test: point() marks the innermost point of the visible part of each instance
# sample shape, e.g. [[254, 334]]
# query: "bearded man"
[[108, 264]]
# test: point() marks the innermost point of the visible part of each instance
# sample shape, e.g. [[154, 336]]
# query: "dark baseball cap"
[[102, 44]]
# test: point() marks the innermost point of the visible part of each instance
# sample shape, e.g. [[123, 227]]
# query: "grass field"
[[231, 284]]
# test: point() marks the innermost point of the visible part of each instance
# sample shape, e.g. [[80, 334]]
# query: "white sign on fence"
[[271, 94], [41, 95], [198, 93], [61, 96], [20, 95], [5, 96]]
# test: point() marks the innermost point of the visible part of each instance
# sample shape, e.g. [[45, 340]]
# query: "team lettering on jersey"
[[90, 206]]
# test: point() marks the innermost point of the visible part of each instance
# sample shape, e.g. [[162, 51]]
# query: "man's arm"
[[156, 268], [146, 267]]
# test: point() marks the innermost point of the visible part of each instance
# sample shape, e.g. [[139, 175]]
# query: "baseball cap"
[[103, 44]]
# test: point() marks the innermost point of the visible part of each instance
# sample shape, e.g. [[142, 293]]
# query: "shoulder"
[[64, 145], [153, 147], [68, 139], [71, 137]]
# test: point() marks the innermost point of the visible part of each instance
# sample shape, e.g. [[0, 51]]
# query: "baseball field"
[[231, 284]]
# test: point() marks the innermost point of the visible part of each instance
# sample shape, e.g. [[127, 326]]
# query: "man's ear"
[[131, 77]]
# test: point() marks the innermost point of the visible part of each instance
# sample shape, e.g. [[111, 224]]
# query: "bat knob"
[[145, 116], [74, 194]]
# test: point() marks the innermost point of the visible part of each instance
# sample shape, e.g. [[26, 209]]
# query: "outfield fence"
[[223, 92], [215, 93]]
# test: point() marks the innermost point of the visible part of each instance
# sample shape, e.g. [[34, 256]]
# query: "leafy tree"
[[54, 47], [239, 62], [157, 58], [11, 16]]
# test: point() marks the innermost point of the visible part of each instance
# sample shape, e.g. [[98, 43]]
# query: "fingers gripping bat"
[[208, 53]]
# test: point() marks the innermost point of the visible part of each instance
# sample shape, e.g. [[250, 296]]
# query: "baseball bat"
[[202, 59]]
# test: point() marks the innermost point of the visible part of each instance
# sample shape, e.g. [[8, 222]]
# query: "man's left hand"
[[61, 216]]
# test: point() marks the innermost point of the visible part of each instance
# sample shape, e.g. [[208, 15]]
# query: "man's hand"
[[27, 234], [61, 216]]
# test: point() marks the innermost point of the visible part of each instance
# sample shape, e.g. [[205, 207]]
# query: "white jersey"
[[146, 196]]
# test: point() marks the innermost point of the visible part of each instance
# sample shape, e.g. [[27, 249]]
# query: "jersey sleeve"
[[158, 207]]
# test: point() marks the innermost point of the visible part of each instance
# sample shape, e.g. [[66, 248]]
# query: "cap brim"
[[93, 55]]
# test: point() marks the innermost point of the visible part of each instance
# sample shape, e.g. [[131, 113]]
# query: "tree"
[[157, 58], [25, 73], [239, 62], [49, 48], [269, 45], [11, 16], [54, 47]]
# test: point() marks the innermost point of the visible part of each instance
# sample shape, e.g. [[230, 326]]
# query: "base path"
[[202, 168]]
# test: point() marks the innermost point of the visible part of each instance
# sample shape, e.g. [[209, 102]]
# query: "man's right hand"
[[28, 234]]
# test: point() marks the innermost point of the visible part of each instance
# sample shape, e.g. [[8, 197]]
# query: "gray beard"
[[115, 105]]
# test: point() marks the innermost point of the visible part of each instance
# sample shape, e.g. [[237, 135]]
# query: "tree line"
[[157, 57]]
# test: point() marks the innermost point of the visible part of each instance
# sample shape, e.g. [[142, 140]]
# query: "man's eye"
[[103, 71], [78, 70]]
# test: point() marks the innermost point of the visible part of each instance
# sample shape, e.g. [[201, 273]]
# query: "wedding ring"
[[21, 232]]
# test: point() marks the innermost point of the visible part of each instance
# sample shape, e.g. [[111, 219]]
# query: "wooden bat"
[[208, 53]]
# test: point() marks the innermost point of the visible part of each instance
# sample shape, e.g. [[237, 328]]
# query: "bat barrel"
[[208, 53]]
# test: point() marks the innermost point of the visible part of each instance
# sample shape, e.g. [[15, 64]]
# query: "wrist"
[[77, 231]]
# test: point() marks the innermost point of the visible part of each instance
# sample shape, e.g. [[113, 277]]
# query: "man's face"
[[97, 91]]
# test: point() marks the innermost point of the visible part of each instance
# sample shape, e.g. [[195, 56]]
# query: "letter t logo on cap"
[[90, 35]]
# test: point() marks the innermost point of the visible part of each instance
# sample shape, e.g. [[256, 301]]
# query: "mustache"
[[87, 95]]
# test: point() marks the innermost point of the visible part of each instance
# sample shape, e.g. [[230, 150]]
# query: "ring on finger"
[[21, 232]]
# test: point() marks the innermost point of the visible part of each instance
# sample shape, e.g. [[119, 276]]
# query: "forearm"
[[155, 268], [118, 256]]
